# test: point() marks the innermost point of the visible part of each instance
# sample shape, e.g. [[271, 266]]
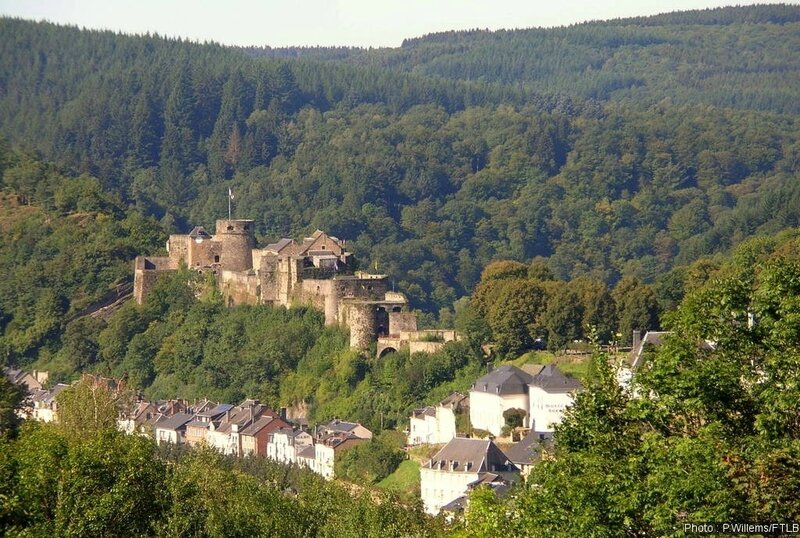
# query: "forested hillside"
[[740, 57], [428, 177]]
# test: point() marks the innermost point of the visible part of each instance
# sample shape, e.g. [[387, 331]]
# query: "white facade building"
[[436, 425], [448, 475], [550, 393], [498, 391]]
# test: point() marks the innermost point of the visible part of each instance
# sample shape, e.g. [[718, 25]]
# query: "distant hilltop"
[[316, 272]]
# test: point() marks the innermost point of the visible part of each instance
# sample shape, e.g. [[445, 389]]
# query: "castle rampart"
[[313, 272]]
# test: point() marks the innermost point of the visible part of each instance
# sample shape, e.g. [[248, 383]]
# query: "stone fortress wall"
[[315, 272]]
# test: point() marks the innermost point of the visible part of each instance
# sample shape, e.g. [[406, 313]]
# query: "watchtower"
[[237, 237]]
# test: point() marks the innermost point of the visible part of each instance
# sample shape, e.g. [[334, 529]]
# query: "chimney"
[[637, 340]]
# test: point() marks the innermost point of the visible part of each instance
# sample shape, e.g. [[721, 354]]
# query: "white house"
[[423, 427], [435, 425], [550, 393], [173, 429], [498, 391], [460, 463], [285, 443]]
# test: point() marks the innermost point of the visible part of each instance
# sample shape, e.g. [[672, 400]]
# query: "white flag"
[[230, 193]]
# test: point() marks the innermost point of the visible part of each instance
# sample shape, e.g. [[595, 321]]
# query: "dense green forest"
[[428, 176], [707, 433], [739, 57]]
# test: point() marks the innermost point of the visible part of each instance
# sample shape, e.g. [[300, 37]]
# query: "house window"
[[216, 259], [230, 228]]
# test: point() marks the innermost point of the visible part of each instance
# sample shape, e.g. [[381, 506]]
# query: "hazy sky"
[[333, 22]]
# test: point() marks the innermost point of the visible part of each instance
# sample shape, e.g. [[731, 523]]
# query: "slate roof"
[[528, 450], [197, 424], [309, 452], [506, 379], [260, 424], [199, 231], [217, 411], [551, 379], [175, 422], [423, 412], [471, 455], [279, 245], [457, 505], [337, 425], [455, 400], [51, 394]]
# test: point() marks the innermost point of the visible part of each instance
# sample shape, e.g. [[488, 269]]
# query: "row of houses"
[[247, 429]]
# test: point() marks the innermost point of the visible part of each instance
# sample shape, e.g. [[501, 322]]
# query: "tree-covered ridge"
[[65, 244], [740, 57], [428, 178]]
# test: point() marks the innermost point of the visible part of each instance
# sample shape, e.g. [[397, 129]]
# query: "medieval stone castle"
[[316, 272]]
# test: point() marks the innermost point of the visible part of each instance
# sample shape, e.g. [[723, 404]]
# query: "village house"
[[172, 429], [254, 438], [501, 389], [528, 451], [136, 419], [338, 426], [284, 444], [30, 381], [456, 508], [197, 430], [436, 425], [329, 450], [44, 404], [539, 393], [460, 463], [226, 435], [307, 457], [550, 393]]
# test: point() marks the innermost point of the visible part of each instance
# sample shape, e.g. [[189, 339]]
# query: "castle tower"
[[237, 237], [361, 320]]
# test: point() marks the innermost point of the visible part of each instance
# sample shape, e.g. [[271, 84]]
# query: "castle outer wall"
[[312, 273]]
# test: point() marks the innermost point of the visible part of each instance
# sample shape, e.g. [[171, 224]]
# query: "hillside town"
[[509, 407]]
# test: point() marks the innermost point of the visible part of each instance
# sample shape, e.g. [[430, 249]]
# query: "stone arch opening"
[[385, 351]]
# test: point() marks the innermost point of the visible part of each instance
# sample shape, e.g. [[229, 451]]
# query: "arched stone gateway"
[[385, 351]]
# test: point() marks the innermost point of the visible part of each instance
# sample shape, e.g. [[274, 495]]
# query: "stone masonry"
[[315, 272]]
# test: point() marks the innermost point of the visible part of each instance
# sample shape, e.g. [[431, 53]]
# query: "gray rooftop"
[[551, 379], [472, 456], [506, 379], [175, 422], [529, 449]]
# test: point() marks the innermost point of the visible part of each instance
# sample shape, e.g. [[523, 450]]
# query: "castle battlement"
[[315, 272]]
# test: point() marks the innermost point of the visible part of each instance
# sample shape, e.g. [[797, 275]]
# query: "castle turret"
[[238, 240]]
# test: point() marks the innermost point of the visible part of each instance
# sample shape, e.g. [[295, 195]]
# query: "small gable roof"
[[279, 245], [529, 449], [175, 422], [506, 379], [551, 379], [199, 232]]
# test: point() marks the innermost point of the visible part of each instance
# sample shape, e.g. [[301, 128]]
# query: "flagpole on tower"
[[230, 197]]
